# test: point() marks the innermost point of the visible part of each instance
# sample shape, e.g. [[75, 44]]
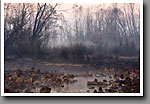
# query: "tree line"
[[95, 31]]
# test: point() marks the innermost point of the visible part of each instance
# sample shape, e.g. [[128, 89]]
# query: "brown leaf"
[[36, 82], [113, 85], [19, 80]]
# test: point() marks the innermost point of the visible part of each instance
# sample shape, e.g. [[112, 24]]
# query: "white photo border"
[[72, 94]]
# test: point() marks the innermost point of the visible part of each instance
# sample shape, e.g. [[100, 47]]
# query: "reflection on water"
[[81, 85]]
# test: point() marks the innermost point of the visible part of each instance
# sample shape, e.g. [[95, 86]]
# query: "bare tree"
[[44, 13], [19, 18]]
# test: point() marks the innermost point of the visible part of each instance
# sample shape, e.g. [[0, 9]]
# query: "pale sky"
[[69, 13]]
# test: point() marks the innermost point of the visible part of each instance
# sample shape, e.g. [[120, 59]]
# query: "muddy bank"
[[110, 63]]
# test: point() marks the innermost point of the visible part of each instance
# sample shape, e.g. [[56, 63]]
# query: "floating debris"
[[110, 90], [30, 81], [95, 91], [113, 85], [92, 82], [104, 80], [36, 82], [121, 76], [19, 80], [100, 89], [45, 90]]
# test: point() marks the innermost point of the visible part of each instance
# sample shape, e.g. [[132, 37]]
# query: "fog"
[[72, 48], [105, 27]]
